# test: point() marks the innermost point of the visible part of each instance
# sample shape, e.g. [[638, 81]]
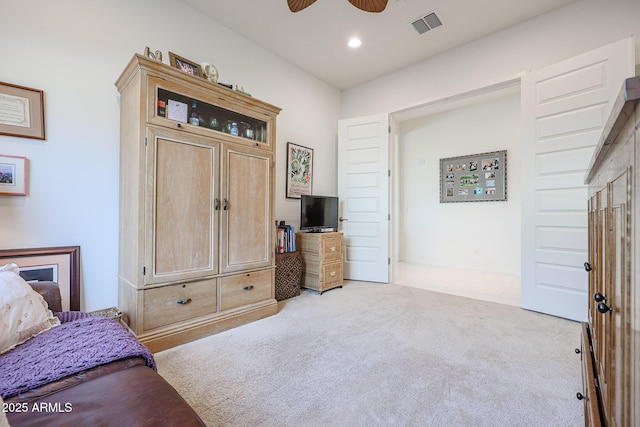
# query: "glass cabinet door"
[[180, 106]]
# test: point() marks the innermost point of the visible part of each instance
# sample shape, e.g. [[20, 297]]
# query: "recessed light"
[[354, 42]]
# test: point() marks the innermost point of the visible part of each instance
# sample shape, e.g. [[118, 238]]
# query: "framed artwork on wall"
[[13, 175], [21, 111], [299, 170], [474, 178], [58, 264]]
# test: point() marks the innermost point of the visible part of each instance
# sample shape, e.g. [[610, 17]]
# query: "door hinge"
[[389, 128], [144, 270], [389, 217], [145, 141], [388, 261]]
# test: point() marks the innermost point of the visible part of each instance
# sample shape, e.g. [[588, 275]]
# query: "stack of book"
[[286, 239]]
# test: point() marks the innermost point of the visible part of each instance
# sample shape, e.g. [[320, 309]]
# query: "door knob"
[[343, 219], [599, 297], [587, 266], [579, 395]]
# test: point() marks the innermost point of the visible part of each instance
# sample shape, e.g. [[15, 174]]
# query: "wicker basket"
[[288, 275]]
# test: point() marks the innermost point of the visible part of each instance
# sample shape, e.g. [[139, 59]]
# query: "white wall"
[[502, 56], [482, 236], [75, 50]]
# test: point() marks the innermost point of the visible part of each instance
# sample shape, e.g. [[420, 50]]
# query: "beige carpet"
[[384, 355]]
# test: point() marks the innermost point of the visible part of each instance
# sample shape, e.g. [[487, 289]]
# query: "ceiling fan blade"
[[298, 5], [370, 5]]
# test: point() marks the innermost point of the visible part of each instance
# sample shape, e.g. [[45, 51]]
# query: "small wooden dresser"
[[611, 338], [321, 260]]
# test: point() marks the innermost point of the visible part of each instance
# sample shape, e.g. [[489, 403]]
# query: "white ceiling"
[[315, 39]]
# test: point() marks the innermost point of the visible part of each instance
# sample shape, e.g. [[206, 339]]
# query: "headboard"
[[59, 264]]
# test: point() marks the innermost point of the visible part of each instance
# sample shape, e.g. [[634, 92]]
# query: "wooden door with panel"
[[619, 301], [182, 198], [247, 225]]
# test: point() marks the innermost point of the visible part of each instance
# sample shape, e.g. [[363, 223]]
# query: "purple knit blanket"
[[81, 342]]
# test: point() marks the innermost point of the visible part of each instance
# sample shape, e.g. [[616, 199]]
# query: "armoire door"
[[181, 192], [617, 405], [246, 212]]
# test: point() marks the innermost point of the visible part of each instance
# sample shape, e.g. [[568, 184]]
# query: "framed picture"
[[185, 65], [58, 264], [299, 170], [474, 178], [21, 111], [13, 175]]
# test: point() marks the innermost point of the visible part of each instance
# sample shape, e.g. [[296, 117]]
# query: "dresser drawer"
[[331, 249], [331, 274], [245, 288], [175, 303]]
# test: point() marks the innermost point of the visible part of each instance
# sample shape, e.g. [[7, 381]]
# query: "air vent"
[[426, 23]]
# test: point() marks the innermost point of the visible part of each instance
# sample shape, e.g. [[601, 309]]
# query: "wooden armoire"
[[611, 338], [196, 249]]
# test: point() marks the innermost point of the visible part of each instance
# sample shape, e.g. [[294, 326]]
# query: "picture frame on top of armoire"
[[21, 111], [185, 65]]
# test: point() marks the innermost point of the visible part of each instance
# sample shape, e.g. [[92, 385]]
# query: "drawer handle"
[[604, 308], [248, 288], [332, 274], [184, 301]]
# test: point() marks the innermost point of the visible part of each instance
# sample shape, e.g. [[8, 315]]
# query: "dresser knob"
[[178, 125], [248, 288], [184, 301], [579, 395], [599, 297], [604, 308]]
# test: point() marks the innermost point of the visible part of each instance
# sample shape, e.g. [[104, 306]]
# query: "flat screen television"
[[318, 213]]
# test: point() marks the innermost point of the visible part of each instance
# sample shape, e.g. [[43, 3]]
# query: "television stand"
[[321, 260]]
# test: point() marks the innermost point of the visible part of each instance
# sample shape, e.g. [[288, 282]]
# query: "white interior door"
[[564, 109], [363, 189]]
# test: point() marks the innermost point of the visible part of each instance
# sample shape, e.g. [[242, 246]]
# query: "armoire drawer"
[[245, 288], [175, 303]]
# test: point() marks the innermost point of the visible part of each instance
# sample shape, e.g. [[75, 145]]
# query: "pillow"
[[23, 312]]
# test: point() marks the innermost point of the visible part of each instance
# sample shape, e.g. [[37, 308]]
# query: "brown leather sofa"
[[121, 393]]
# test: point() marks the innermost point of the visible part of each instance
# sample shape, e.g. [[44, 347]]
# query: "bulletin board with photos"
[[474, 178]]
